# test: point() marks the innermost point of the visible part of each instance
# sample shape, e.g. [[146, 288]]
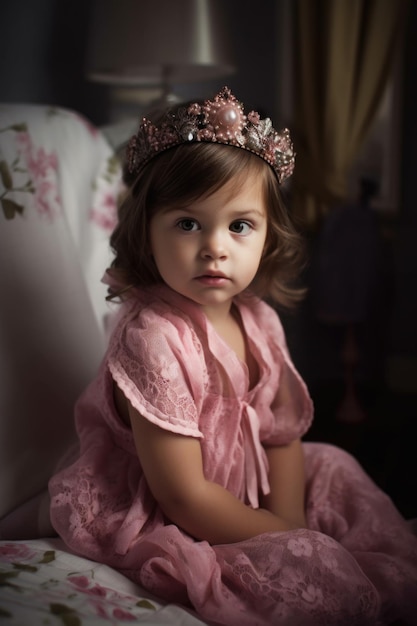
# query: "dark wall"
[[43, 52], [42, 56], [404, 331]]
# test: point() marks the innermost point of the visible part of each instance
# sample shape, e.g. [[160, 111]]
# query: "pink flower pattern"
[[36, 580], [31, 177], [12, 552], [105, 216], [103, 212], [102, 599], [42, 168]]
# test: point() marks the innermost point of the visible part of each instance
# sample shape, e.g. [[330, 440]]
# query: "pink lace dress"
[[355, 564]]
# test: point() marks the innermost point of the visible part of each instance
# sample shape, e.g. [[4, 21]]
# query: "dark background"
[[43, 48]]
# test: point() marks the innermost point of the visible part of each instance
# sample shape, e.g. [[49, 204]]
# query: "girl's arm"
[[287, 482], [173, 468]]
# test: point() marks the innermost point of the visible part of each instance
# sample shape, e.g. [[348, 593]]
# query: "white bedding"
[[41, 584]]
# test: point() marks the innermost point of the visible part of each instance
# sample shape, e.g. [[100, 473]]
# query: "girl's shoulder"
[[155, 360], [151, 321]]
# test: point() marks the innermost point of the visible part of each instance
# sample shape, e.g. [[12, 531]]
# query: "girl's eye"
[[240, 227], [187, 225]]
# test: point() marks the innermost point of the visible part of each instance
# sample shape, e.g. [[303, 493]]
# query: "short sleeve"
[[151, 359]]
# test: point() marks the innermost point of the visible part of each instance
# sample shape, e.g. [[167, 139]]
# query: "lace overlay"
[[355, 564]]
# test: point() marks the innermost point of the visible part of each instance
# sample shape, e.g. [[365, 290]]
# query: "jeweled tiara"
[[221, 120]]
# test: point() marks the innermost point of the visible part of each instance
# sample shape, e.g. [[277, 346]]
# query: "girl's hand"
[[287, 482]]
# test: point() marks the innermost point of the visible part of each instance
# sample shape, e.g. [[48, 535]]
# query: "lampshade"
[[136, 43]]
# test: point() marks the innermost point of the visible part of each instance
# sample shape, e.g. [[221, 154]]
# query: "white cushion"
[[59, 184]]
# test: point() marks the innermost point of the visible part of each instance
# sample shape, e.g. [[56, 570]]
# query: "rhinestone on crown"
[[221, 120]]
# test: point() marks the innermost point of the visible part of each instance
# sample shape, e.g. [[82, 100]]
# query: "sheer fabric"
[[355, 564]]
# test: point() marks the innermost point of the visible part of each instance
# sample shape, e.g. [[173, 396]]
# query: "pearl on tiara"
[[221, 120], [224, 115]]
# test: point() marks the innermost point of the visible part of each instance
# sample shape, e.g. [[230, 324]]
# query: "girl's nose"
[[213, 247]]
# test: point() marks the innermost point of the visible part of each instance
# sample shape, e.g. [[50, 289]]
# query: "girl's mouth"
[[212, 279]]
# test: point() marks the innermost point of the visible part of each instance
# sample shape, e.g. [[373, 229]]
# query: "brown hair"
[[180, 176]]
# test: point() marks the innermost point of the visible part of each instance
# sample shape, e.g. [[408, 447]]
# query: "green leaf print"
[[24, 567], [10, 208], [7, 170], [4, 613], [145, 604], [19, 128], [67, 615], [5, 580], [6, 177], [4, 577], [48, 556]]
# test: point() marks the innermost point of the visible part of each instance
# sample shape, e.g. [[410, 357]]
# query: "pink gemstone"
[[228, 118]]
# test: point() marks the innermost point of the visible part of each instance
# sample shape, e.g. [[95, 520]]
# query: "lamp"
[[158, 43]]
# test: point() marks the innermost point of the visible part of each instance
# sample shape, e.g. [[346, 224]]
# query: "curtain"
[[343, 55]]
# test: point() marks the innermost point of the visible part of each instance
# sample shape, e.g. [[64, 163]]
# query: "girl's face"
[[210, 250]]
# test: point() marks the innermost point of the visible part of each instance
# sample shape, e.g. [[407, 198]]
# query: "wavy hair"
[[182, 175]]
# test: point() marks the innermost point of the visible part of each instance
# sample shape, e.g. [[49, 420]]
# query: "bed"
[[60, 181]]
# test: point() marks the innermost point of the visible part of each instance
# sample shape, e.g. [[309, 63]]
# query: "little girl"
[[191, 478]]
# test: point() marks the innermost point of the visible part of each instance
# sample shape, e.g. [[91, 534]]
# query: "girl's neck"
[[219, 315], [230, 328]]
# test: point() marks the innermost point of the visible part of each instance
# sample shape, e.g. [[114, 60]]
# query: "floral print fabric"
[[59, 185], [30, 169], [42, 583], [56, 166]]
